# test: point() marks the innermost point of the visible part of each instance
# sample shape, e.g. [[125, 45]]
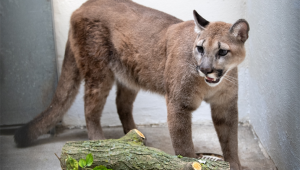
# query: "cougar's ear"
[[240, 30], [200, 23]]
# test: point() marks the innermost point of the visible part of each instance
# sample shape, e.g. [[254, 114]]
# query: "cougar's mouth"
[[209, 80], [212, 80]]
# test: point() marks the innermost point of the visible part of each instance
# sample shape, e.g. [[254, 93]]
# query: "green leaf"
[[71, 163], [179, 156], [89, 159], [82, 163]]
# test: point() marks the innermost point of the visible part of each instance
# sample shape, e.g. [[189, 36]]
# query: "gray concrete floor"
[[41, 154]]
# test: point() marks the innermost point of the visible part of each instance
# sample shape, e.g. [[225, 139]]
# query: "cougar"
[[136, 47]]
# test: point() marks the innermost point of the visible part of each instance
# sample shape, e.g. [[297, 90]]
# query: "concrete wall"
[[273, 78], [148, 108]]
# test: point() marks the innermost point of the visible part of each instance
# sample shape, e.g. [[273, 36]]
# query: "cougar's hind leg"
[[97, 88], [124, 101], [91, 39]]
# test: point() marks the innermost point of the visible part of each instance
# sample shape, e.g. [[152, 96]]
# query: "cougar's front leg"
[[225, 118], [180, 127], [124, 101], [97, 88]]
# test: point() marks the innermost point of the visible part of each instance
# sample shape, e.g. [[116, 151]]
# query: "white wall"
[[148, 108], [273, 78]]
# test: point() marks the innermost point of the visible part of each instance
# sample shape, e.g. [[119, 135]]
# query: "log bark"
[[130, 153]]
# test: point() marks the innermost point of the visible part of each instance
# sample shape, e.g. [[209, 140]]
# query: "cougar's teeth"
[[208, 78]]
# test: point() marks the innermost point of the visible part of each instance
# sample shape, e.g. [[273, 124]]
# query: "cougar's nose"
[[206, 70]]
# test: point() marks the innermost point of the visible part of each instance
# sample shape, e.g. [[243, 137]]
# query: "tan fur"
[[141, 48]]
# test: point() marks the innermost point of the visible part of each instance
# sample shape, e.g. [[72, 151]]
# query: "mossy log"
[[130, 153]]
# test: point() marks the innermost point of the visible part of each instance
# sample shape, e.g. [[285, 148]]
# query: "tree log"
[[130, 153]]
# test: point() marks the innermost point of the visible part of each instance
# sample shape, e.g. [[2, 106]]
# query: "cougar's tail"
[[64, 96]]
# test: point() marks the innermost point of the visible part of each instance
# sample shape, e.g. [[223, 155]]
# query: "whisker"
[[234, 83], [231, 77], [231, 82]]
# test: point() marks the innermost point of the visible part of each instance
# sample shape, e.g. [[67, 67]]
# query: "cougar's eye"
[[222, 52], [200, 49]]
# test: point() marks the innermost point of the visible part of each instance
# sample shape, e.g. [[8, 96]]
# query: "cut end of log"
[[139, 133], [196, 166]]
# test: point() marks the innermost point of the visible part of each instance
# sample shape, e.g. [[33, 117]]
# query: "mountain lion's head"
[[219, 47]]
